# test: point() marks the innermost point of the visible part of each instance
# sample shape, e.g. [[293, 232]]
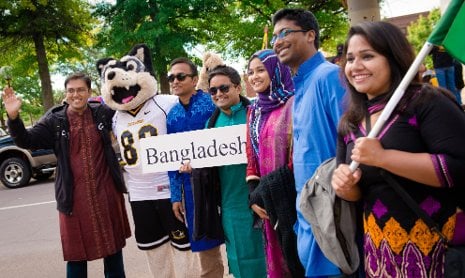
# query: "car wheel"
[[43, 176], [14, 172]]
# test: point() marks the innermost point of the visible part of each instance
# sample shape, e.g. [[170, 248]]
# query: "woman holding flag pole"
[[418, 146]]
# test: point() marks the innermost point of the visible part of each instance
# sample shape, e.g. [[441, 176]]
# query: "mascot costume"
[[130, 88], [210, 61]]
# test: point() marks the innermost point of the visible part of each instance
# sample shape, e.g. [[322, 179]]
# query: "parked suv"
[[18, 165]]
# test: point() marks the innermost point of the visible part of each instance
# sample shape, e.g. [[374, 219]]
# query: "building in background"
[[405, 20]]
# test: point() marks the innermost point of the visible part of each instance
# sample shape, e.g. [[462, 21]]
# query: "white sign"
[[204, 148]]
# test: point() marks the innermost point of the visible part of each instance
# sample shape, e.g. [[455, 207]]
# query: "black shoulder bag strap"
[[412, 204]]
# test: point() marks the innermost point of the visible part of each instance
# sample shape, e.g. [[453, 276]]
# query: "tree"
[[167, 27], [25, 81], [232, 28], [86, 66], [334, 22], [239, 29], [31, 95], [48, 30], [419, 31]]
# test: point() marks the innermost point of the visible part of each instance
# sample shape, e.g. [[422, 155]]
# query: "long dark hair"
[[390, 42]]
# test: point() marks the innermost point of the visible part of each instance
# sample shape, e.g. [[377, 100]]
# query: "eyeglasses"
[[180, 76], [284, 34], [80, 90], [223, 88]]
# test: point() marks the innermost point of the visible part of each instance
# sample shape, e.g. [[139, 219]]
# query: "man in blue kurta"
[[316, 113], [191, 113]]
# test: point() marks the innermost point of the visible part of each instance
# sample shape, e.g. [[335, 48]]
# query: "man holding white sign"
[[244, 244], [191, 113]]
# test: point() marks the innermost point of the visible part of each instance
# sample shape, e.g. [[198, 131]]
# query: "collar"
[[308, 66], [236, 107]]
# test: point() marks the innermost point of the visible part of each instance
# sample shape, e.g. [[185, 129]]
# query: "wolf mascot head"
[[128, 82]]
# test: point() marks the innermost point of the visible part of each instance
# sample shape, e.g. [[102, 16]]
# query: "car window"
[[2, 132]]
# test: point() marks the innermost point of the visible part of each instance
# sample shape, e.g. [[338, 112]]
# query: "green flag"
[[449, 30]]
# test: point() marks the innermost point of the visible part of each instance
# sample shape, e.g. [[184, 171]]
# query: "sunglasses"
[[223, 88], [180, 76]]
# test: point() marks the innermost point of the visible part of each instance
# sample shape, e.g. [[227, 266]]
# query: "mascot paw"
[[210, 61]]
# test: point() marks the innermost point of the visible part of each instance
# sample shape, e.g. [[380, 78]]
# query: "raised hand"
[[11, 102]]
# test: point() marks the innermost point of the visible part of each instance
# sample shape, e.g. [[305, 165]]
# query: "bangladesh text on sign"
[[204, 148]]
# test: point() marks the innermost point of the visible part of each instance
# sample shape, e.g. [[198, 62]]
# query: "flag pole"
[[397, 95], [265, 38]]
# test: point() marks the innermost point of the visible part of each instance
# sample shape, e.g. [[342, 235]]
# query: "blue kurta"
[[317, 109], [180, 119], [244, 244]]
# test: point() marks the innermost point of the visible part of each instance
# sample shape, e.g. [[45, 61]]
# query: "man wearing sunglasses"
[[244, 244], [316, 113], [191, 113]]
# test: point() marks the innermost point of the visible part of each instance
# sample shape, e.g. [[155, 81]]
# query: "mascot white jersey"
[[129, 87], [150, 121]]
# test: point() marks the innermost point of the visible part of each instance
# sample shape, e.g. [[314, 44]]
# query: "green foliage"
[[333, 20], [162, 25], [419, 31], [239, 29], [32, 108], [233, 29], [171, 29], [28, 88], [87, 66], [36, 33]]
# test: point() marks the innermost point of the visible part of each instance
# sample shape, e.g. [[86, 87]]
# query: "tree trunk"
[[363, 10], [2, 120], [164, 84], [44, 73]]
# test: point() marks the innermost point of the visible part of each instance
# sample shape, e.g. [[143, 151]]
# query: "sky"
[[393, 8]]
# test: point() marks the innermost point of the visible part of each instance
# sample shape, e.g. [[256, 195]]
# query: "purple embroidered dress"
[[397, 243], [269, 138]]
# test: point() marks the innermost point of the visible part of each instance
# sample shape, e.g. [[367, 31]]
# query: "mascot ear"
[[142, 52], [101, 63], [206, 57]]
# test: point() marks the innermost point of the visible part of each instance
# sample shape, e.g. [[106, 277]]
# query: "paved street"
[[30, 241]]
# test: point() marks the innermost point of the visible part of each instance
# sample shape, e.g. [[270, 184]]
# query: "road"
[[30, 240]]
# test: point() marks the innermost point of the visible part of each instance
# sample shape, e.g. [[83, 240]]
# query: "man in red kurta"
[[88, 184]]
